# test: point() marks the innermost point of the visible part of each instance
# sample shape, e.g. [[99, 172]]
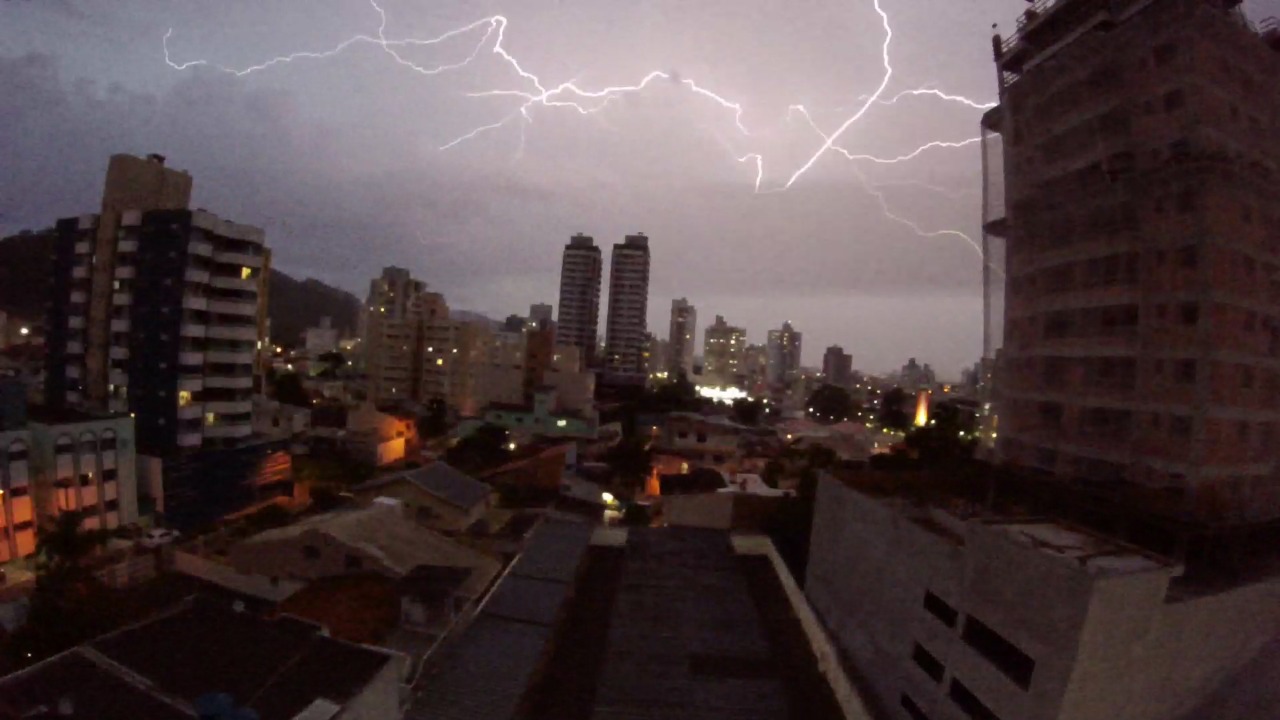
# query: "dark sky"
[[338, 158]]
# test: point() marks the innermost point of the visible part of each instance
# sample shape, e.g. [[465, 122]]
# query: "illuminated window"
[[246, 273], [210, 418], [439, 361], [561, 423], [184, 398]]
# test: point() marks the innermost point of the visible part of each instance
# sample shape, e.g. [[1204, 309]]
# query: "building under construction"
[[1135, 255]]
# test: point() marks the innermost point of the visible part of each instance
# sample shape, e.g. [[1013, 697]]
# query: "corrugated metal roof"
[[442, 480]]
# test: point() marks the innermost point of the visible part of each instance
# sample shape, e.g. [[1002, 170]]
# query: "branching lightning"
[[490, 32]]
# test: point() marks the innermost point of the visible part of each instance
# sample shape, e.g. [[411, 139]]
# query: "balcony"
[[118, 353], [80, 272], [122, 298], [193, 330], [195, 302], [79, 297], [230, 430], [224, 357], [75, 322], [191, 383], [74, 372], [83, 247], [193, 411], [131, 218], [197, 276], [190, 440], [234, 283], [245, 333], [127, 246], [229, 407], [75, 348], [118, 378], [120, 325], [203, 248], [229, 382], [240, 259], [126, 272], [189, 358], [232, 307]]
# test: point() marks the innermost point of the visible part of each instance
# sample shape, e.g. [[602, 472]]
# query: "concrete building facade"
[[784, 355], [391, 331], [628, 309], [1140, 190], [724, 353], [179, 325], [837, 366], [682, 338], [952, 612], [580, 272]]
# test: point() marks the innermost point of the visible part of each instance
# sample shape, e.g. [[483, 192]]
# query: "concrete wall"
[[1140, 665], [380, 699], [706, 510], [1105, 645]]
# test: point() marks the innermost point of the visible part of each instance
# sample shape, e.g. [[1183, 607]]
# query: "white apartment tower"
[[723, 352], [580, 272], [625, 341]]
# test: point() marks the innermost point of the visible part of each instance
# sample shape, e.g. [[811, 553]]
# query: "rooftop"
[[667, 623], [441, 480], [158, 669], [47, 415], [384, 532]]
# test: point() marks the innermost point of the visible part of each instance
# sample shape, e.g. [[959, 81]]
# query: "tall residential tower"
[[625, 341], [579, 319], [723, 353], [1143, 225], [683, 335]]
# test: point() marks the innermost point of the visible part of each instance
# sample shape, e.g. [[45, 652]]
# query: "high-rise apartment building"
[[784, 355], [392, 327], [172, 300], [541, 313], [837, 366], [1143, 209], [683, 335], [628, 306], [723, 353], [580, 273]]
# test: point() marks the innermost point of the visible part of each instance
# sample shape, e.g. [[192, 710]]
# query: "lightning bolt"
[[491, 32], [884, 203]]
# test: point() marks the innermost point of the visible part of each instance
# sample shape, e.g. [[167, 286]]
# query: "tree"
[[630, 460], [748, 412], [893, 413], [436, 422], [830, 404], [486, 448], [940, 442], [289, 390]]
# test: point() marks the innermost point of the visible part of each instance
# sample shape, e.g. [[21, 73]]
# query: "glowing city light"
[[726, 395]]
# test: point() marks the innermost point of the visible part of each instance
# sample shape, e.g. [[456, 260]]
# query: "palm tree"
[[63, 547]]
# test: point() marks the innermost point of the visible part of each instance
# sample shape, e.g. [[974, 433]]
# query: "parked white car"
[[156, 537]]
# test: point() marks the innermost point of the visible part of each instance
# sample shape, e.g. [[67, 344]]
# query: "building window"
[[702, 437], [353, 562], [184, 398], [1015, 664], [925, 660], [311, 552], [938, 608], [1180, 427], [86, 479], [110, 474], [108, 441], [111, 505], [969, 703], [1184, 371], [1189, 314], [913, 710], [17, 451]]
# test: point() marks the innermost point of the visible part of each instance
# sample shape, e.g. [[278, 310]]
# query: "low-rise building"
[[84, 462], [542, 418], [276, 419], [172, 668], [438, 496], [952, 603], [375, 539]]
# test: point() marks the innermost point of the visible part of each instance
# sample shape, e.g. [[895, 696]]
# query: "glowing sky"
[[339, 158]]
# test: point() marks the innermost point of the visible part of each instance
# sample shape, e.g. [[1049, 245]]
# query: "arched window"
[[64, 445], [108, 440], [88, 442], [17, 451]]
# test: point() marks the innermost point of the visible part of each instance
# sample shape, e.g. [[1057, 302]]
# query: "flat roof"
[[1097, 554], [276, 667], [89, 688]]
